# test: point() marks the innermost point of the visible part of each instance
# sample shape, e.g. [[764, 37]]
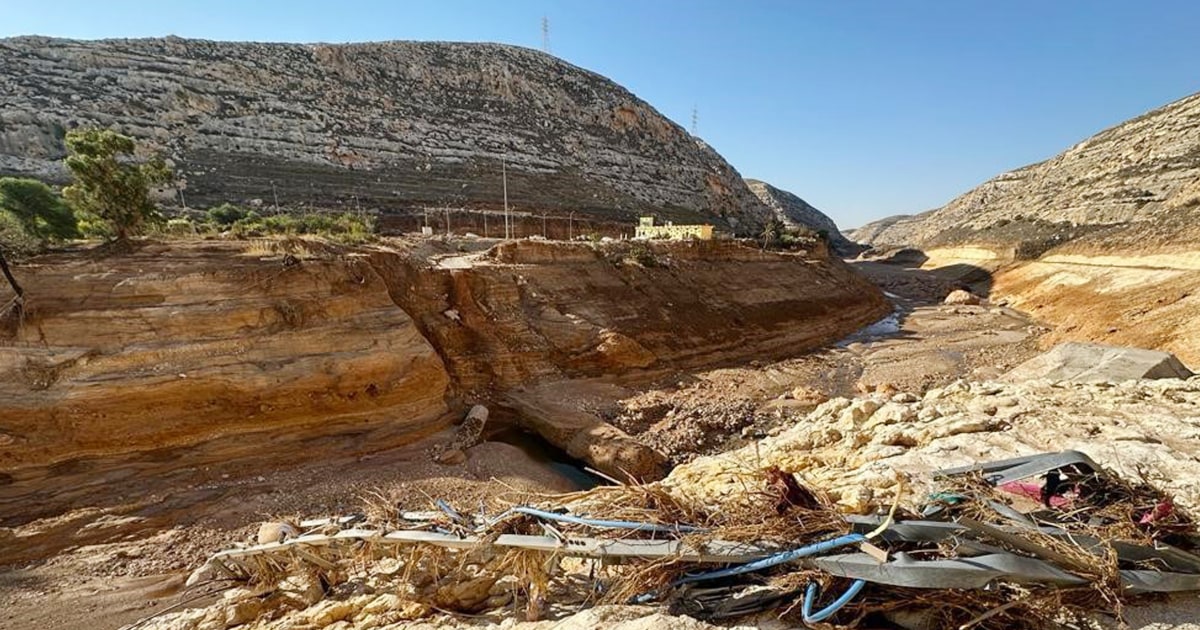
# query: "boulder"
[[959, 296], [470, 432], [273, 532], [1093, 362]]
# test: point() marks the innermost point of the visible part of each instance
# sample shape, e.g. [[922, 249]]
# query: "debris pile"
[[975, 555], [802, 526]]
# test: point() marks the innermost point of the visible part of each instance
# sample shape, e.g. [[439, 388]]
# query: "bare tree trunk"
[[11, 280]]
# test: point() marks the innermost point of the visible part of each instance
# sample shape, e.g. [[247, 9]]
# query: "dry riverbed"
[[136, 568]]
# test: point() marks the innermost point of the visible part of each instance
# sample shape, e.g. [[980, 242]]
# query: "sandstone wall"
[[173, 346], [1087, 291], [1144, 302], [389, 126], [529, 311], [185, 355]]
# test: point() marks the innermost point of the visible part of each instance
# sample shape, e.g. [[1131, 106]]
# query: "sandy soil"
[[140, 570]]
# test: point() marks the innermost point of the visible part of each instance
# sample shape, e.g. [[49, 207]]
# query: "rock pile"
[[861, 450]]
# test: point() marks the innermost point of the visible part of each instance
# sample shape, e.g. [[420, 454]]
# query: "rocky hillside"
[[1099, 241], [1131, 178], [392, 126], [795, 211]]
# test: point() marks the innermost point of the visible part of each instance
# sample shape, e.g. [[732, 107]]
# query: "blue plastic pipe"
[[450, 511], [779, 558], [813, 591]]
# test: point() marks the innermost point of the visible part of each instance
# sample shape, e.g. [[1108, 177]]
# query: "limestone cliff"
[[1129, 178], [392, 126], [794, 211]]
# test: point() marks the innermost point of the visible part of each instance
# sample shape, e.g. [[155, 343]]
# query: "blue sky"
[[865, 109]]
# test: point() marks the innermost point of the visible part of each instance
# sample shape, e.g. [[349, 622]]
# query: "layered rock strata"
[[528, 311], [190, 354], [392, 126], [174, 346]]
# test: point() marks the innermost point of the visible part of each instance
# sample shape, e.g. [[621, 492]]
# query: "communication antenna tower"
[[545, 34], [695, 120]]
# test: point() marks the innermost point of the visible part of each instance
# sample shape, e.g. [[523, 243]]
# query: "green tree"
[[771, 232], [226, 214], [109, 183], [39, 210]]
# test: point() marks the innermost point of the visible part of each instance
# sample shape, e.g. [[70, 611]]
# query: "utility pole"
[[504, 178], [182, 200], [485, 231], [571, 226], [447, 209], [276, 195], [545, 34], [543, 225]]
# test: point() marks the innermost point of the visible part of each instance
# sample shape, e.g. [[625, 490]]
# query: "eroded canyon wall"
[[174, 345], [527, 311], [1101, 241], [259, 354]]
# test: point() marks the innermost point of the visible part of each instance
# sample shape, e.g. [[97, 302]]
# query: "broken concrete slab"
[[1093, 362]]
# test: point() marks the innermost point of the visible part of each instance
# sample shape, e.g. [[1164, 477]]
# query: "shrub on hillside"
[[14, 240], [342, 227], [227, 214], [38, 209]]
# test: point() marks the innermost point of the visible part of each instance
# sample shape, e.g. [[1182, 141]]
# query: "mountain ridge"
[[1136, 172], [396, 126], [794, 211]]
